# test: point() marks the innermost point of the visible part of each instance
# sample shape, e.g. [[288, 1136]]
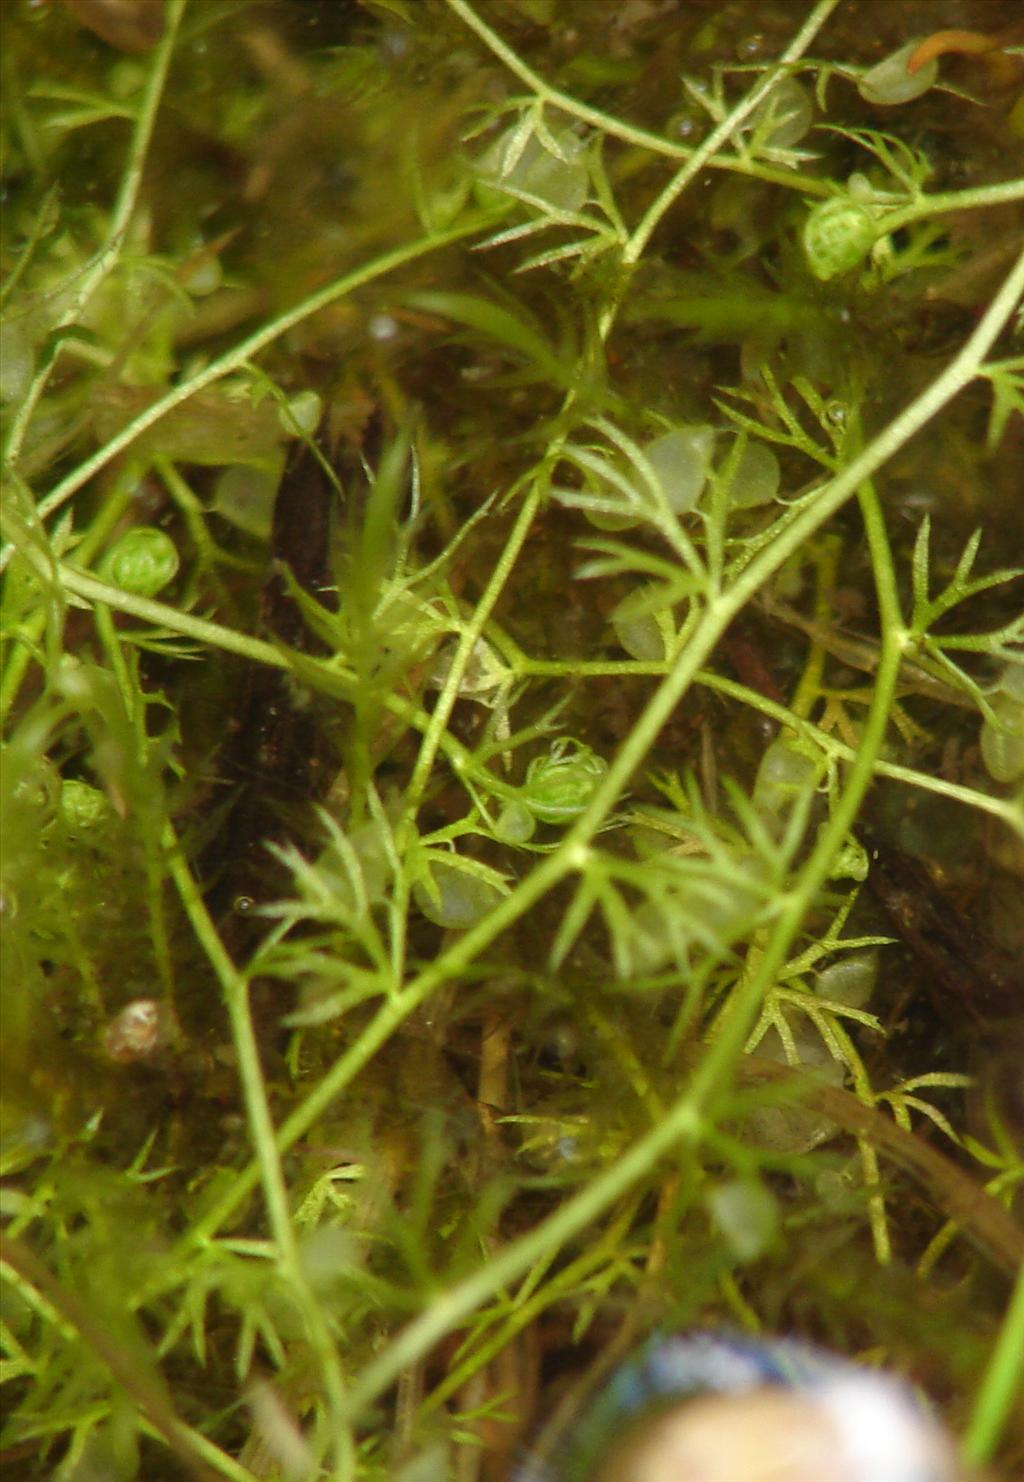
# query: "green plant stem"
[[1001, 1385], [468, 638], [831, 497], [25, 638], [450, 1309], [133, 701], [216, 635], [735, 1020], [895, 638], [785, 715], [235, 358], [720, 135], [40, 226], [942, 202], [261, 1129], [1008, 810], [616, 128], [437, 727], [160, 615], [533, 1298], [222, 1464], [571, 854], [955, 1192], [710, 1079], [106, 259]]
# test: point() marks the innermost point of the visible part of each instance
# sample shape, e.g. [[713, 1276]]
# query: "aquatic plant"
[[512, 804]]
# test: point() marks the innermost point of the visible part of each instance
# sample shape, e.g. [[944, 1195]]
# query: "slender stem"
[[533, 1297], [126, 674], [736, 1019], [1001, 1385], [708, 153], [391, 1014], [978, 1212], [684, 1120], [229, 640], [450, 1309], [262, 1133], [437, 728], [832, 496], [1009, 810], [160, 615], [703, 155], [463, 651], [40, 226], [244, 351], [940, 203], [615, 128], [563, 101], [571, 853], [106, 259], [329, 676], [25, 638]]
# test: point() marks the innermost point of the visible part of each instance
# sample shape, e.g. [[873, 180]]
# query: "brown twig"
[[981, 1217]]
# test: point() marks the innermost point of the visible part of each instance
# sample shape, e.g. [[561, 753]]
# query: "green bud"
[[838, 234], [142, 561], [559, 786], [82, 807]]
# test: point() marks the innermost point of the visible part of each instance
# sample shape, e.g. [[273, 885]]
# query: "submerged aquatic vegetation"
[[511, 617]]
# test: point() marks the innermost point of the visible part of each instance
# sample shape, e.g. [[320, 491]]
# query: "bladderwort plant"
[[513, 720]]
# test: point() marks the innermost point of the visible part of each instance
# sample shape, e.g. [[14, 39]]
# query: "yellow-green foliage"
[[511, 517]]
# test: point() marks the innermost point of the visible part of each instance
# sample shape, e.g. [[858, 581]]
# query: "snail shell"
[[722, 1407]]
